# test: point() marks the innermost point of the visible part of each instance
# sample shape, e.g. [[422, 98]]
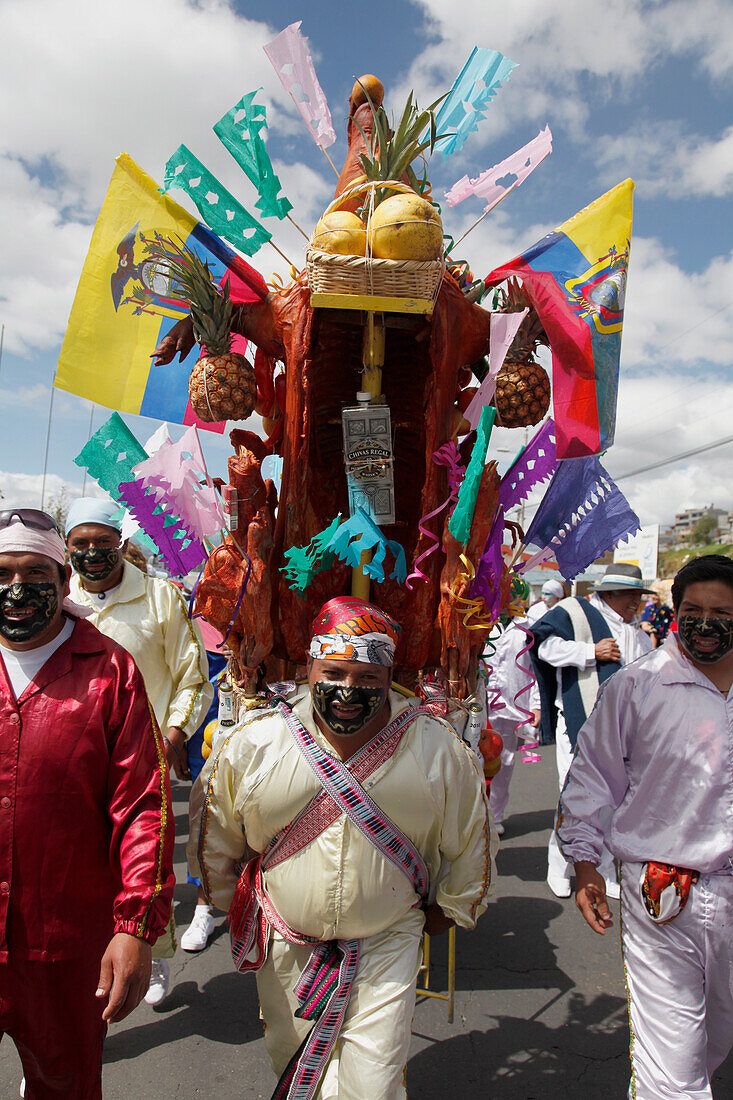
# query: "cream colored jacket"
[[148, 617], [340, 886]]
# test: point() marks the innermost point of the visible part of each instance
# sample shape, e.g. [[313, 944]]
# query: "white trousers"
[[371, 1052], [558, 867], [499, 789], [680, 983]]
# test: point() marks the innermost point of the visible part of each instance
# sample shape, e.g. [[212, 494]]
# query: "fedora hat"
[[621, 575]]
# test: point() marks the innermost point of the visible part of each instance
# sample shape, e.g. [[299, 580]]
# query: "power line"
[[675, 458]]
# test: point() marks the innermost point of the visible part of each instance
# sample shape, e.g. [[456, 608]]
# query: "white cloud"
[[673, 316], [24, 490], [665, 161], [97, 85]]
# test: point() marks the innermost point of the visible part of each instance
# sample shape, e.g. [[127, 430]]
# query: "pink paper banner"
[[495, 183], [174, 474], [292, 62], [503, 330]]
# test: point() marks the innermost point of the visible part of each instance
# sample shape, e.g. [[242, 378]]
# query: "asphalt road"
[[540, 1002]]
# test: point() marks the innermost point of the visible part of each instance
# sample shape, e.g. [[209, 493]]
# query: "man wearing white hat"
[[578, 644], [147, 616], [552, 592], [86, 837]]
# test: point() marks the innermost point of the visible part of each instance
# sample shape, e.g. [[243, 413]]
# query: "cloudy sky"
[[640, 88]]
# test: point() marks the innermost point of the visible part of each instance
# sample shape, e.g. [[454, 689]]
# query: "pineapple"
[[222, 385], [522, 386]]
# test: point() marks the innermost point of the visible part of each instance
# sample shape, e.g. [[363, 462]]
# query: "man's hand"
[[535, 719], [607, 650], [178, 341], [124, 975], [176, 753], [590, 897], [436, 922]]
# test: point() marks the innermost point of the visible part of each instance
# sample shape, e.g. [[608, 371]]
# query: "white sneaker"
[[22, 1088], [196, 936], [160, 980], [559, 886], [613, 890]]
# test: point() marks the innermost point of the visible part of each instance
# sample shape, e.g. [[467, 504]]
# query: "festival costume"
[[651, 780], [569, 678], [340, 887], [148, 617], [508, 679], [82, 740]]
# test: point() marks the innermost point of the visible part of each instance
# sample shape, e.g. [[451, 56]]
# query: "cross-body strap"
[[351, 799]]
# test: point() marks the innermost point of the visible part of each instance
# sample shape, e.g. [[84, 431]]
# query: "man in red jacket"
[[86, 828]]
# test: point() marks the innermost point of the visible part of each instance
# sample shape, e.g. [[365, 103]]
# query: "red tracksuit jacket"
[[86, 826]]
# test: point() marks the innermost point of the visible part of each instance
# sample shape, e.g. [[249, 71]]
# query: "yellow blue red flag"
[[124, 306], [575, 278]]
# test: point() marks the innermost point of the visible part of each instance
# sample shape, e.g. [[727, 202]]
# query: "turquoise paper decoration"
[[346, 541], [460, 522], [219, 209], [241, 131]]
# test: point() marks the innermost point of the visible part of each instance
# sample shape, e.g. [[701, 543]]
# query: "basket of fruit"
[[394, 250]]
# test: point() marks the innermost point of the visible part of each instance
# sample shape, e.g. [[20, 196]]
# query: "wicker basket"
[[330, 273]]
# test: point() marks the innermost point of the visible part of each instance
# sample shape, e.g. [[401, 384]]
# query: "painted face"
[[95, 563], [344, 709], [27, 609], [706, 640]]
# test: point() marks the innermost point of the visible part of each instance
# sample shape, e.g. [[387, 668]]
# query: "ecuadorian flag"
[[576, 281], [124, 307]]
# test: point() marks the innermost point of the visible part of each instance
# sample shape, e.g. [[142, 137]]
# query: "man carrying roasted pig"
[[361, 820]]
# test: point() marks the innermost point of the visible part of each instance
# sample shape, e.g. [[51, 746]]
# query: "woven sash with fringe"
[[324, 987]]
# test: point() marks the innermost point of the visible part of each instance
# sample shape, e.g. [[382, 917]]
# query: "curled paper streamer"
[[493, 695], [447, 455], [472, 608], [530, 678]]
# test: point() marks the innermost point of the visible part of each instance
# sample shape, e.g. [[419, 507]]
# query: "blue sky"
[[639, 89]]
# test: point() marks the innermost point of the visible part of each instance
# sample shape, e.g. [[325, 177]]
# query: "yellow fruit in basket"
[[205, 751], [209, 731], [406, 227], [340, 232]]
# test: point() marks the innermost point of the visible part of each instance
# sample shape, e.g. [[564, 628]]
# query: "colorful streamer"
[[503, 328], [240, 131], [447, 455], [536, 462], [219, 209], [473, 608]]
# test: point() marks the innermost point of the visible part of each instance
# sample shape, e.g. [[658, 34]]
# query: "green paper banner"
[[240, 130], [219, 209], [460, 522]]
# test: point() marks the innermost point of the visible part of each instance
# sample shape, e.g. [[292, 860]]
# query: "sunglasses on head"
[[29, 517]]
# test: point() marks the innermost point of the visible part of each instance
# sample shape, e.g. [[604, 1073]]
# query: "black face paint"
[[718, 630], [107, 559], [369, 700], [42, 599]]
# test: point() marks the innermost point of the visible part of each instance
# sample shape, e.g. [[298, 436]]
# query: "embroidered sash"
[[324, 987]]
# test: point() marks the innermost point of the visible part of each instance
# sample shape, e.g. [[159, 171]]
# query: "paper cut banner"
[[504, 328], [292, 62], [217, 207], [240, 130], [470, 98], [174, 474], [495, 183]]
